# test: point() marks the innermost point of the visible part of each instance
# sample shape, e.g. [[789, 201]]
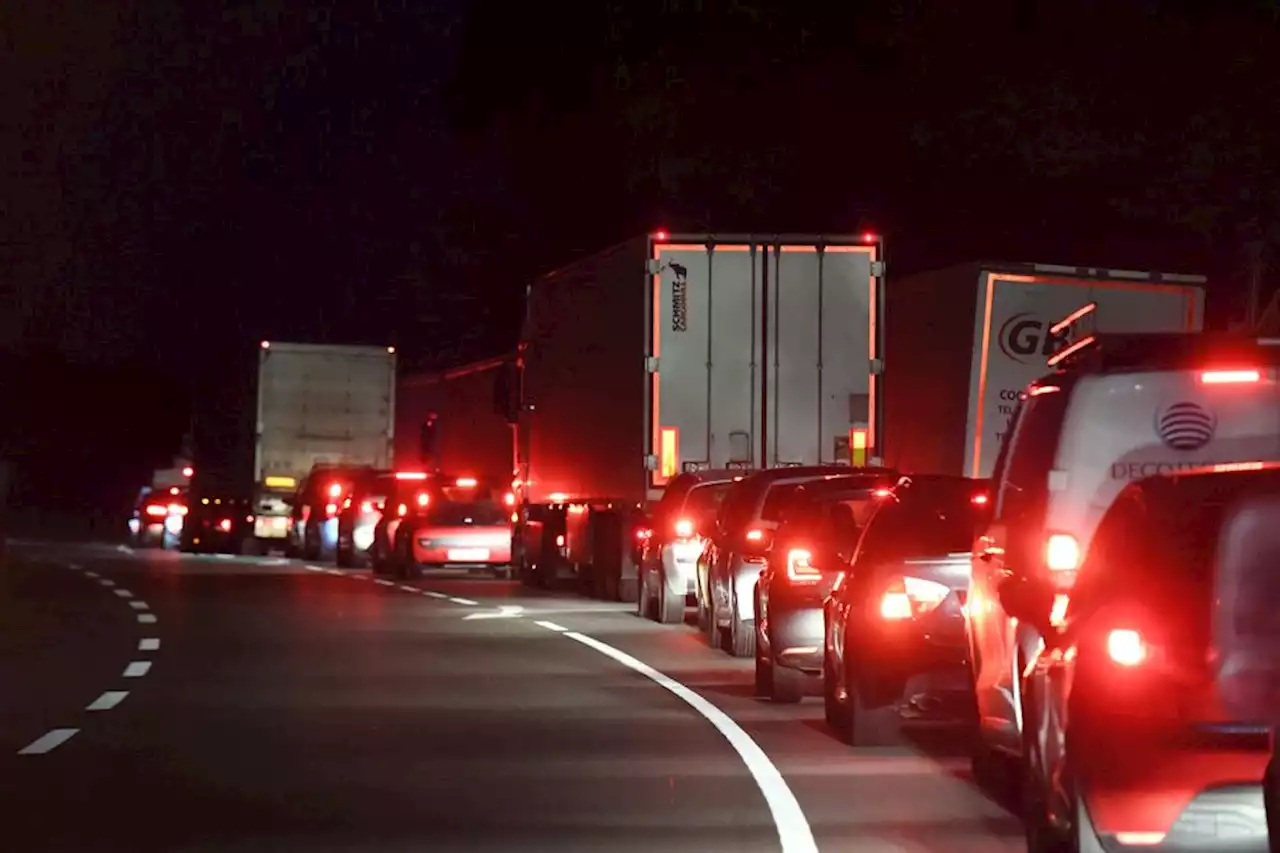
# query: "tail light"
[[882, 493], [1058, 616], [910, 597], [1062, 553], [1126, 647], [346, 504], [424, 499], [157, 511], [515, 517], [509, 499], [225, 525], [755, 535], [335, 491], [799, 567], [684, 528], [755, 544], [410, 475], [1230, 377], [560, 540], [177, 509], [366, 507], [643, 534], [466, 482], [980, 499], [402, 511], [330, 510]]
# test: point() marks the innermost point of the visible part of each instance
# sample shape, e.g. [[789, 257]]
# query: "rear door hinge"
[[877, 269]]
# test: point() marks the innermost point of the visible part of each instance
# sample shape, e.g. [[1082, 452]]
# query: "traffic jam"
[[1033, 538]]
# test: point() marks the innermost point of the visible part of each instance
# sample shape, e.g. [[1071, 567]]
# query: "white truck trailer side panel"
[[763, 351], [1011, 324], [320, 403]]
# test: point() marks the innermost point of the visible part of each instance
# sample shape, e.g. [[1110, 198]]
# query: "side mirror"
[[1028, 600]]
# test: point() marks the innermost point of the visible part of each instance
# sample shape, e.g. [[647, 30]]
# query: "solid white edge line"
[[124, 593], [107, 700], [48, 742], [794, 832], [147, 618], [139, 605], [384, 582], [149, 644], [551, 626], [137, 669], [465, 601]]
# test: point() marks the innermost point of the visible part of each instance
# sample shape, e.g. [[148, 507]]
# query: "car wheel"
[[714, 633], [670, 607], [788, 684], [764, 676], [835, 710]]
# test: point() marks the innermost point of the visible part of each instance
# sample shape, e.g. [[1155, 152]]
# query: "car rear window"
[[704, 501], [777, 500], [939, 523], [466, 512]]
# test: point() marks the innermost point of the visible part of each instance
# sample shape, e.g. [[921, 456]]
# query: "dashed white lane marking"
[[107, 582], [124, 593], [466, 601], [137, 669], [147, 618], [337, 572], [383, 582], [313, 568], [139, 605], [551, 626], [107, 700], [409, 588], [48, 742], [150, 644], [434, 594], [124, 549], [794, 832], [360, 577], [91, 574], [75, 567]]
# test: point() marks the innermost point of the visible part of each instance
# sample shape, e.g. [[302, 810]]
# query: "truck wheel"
[[670, 607]]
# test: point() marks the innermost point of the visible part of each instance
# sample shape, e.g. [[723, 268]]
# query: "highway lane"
[[293, 708]]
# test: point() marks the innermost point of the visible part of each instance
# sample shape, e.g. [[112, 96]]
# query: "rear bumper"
[[897, 650], [795, 634], [487, 547]]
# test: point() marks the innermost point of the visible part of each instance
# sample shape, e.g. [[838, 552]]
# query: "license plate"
[[469, 555]]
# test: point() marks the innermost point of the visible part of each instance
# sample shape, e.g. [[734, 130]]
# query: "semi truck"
[[447, 421], [961, 344], [318, 404], [677, 352]]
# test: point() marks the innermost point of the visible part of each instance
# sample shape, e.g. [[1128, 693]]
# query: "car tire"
[[742, 637], [715, 638], [670, 607], [343, 558], [788, 684], [835, 711], [764, 677]]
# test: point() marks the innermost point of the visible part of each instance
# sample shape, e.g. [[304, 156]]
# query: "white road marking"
[[434, 594], [337, 572], [794, 832], [147, 618], [382, 582], [551, 626], [360, 577], [48, 742], [91, 574], [466, 601], [505, 611], [124, 593], [124, 549], [139, 605], [224, 556], [313, 568], [409, 588], [107, 700], [137, 669], [75, 567], [150, 644], [107, 582]]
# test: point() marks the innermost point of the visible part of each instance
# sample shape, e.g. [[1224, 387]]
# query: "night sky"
[[184, 179]]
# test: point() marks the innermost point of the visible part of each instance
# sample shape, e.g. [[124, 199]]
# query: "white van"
[[1123, 408]]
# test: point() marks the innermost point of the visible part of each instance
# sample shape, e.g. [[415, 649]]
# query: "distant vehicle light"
[[330, 509], [557, 497], [882, 493], [403, 510], [266, 344], [1062, 553], [174, 490], [509, 499], [515, 517], [661, 234], [869, 237], [188, 472], [391, 350], [225, 525], [980, 499], [755, 535], [366, 507], [1126, 647], [466, 482], [177, 509], [335, 491], [424, 499], [156, 511], [411, 475], [684, 528]]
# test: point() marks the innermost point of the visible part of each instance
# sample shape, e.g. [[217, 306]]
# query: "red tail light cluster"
[[799, 567]]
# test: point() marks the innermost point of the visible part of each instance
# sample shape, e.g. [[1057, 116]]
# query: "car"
[[363, 508], [219, 524], [674, 539], [1129, 737], [158, 516], [894, 640], [821, 522], [463, 522], [313, 526], [736, 548], [1114, 409]]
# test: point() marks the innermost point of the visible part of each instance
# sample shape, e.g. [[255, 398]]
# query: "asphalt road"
[[156, 702]]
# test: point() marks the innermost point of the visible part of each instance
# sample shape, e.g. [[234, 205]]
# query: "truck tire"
[[670, 607]]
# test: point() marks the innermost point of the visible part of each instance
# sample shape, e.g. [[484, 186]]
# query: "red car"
[[465, 523]]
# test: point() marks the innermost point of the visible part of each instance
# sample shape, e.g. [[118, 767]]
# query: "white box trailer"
[[963, 342], [687, 351], [317, 403]]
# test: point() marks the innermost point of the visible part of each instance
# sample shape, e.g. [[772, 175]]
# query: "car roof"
[[1165, 351]]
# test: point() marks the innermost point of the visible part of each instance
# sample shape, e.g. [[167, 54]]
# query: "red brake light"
[[1062, 553], [346, 504], [799, 569], [980, 499], [643, 533], [868, 237], [1230, 377], [330, 509], [466, 482], [188, 472], [410, 475], [366, 507], [157, 511], [174, 490], [1126, 647], [225, 525], [882, 493], [684, 528], [403, 510], [335, 491], [177, 509], [660, 235], [755, 535], [424, 499], [509, 499]]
